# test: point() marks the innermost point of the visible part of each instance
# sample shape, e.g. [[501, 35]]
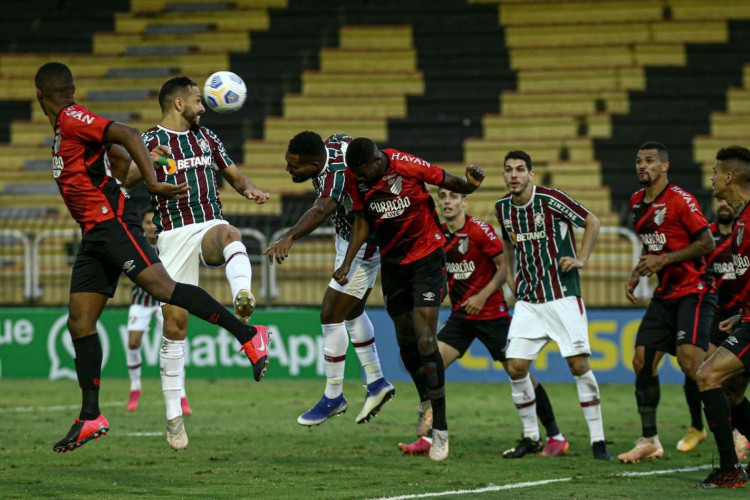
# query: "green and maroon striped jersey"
[[541, 232], [196, 158]]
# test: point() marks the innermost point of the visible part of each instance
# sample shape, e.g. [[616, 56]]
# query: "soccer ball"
[[224, 92]]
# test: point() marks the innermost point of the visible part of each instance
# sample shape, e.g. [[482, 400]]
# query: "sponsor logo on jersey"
[[407, 157], [460, 270], [659, 216], [532, 236], [196, 161], [654, 242], [692, 205], [741, 264], [724, 269], [79, 115], [390, 208], [563, 209]]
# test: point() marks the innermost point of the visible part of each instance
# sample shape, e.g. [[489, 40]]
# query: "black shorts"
[[669, 323], [459, 332], [717, 336], [107, 250], [738, 343], [418, 284]]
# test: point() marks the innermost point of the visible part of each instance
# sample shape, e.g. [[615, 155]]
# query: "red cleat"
[[133, 400], [81, 433], [256, 351], [555, 447], [186, 410], [419, 447]]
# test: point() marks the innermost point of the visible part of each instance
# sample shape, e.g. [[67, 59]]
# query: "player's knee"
[[578, 365], [638, 364], [231, 235], [173, 330], [688, 366], [80, 327], [707, 378], [645, 379], [427, 345], [516, 370], [134, 344]]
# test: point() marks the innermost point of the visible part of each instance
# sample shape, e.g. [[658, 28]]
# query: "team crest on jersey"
[[740, 234], [203, 143], [395, 184], [463, 245], [659, 215], [538, 219]]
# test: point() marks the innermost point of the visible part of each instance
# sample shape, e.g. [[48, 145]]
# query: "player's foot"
[[256, 351], [740, 445], [645, 448], [718, 478], [81, 433], [244, 305], [323, 410], [133, 400], [600, 450], [555, 447], [524, 446], [176, 435], [378, 394], [419, 447], [424, 418], [692, 438], [186, 410], [439, 446]]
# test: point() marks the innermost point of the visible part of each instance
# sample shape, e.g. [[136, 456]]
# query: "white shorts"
[[563, 321], [180, 250], [361, 275], [139, 318]]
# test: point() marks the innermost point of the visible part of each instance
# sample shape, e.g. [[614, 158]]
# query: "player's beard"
[[645, 181], [192, 118], [724, 217], [299, 178]]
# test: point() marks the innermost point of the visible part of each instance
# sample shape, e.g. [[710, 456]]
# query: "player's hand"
[[474, 175], [340, 274], [171, 191], [650, 264], [474, 304], [630, 288], [278, 250], [159, 151], [256, 195], [727, 326], [567, 264]]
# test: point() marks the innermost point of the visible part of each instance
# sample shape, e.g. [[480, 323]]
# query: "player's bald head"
[[735, 159], [54, 79]]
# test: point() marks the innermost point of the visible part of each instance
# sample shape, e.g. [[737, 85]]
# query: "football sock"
[[413, 364], [134, 368], [183, 394], [88, 363], [238, 270], [522, 392], [544, 411], [741, 417], [335, 342], [172, 364], [693, 398], [716, 406], [588, 396], [362, 334], [647, 395], [199, 303], [434, 377]]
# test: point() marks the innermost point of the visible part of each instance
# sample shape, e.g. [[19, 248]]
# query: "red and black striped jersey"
[[399, 208], [81, 168], [721, 266], [670, 222], [469, 254], [195, 158], [741, 259]]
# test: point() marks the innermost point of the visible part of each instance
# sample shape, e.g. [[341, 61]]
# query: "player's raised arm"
[[243, 185], [321, 210], [466, 185]]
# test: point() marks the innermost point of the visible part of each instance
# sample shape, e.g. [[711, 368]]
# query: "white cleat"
[[378, 394], [176, 435], [439, 448]]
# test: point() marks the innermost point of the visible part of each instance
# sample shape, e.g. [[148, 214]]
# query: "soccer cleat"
[[133, 400], [419, 447], [81, 433], [718, 478], [692, 438], [378, 394], [256, 351], [524, 447], [244, 305], [439, 446], [424, 418], [555, 447], [323, 410], [186, 410], [600, 450], [645, 448], [176, 435], [740, 445]]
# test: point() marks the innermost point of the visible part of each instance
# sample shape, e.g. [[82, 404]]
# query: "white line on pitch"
[[664, 471], [478, 490], [144, 434], [28, 409]]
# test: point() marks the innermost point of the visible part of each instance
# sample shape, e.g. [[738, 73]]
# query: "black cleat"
[[524, 447], [718, 478], [81, 433], [600, 450]]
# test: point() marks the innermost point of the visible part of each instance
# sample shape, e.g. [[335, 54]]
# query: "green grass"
[[245, 443]]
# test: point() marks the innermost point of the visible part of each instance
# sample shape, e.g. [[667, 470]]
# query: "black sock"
[[413, 364], [544, 411], [89, 371], [199, 303], [648, 401], [716, 406], [434, 377], [693, 398], [741, 417]]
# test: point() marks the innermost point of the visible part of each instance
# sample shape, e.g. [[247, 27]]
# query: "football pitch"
[[245, 443]]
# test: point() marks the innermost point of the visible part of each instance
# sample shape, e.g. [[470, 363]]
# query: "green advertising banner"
[[35, 343]]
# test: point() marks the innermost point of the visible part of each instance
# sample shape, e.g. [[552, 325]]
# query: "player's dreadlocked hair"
[[171, 88], [54, 78], [307, 145], [737, 160], [661, 148], [519, 155], [360, 151]]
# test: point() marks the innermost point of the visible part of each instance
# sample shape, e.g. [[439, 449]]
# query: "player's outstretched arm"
[[466, 185], [243, 185], [590, 234], [702, 245], [310, 220], [360, 232]]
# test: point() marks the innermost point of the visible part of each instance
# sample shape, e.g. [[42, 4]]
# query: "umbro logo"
[[681, 335], [128, 266], [429, 296], [732, 340]]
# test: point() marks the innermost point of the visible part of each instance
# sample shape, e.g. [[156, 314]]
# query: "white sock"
[[238, 270], [522, 392], [362, 334], [588, 395], [134, 362], [172, 364], [335, 342], [183, 394]]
